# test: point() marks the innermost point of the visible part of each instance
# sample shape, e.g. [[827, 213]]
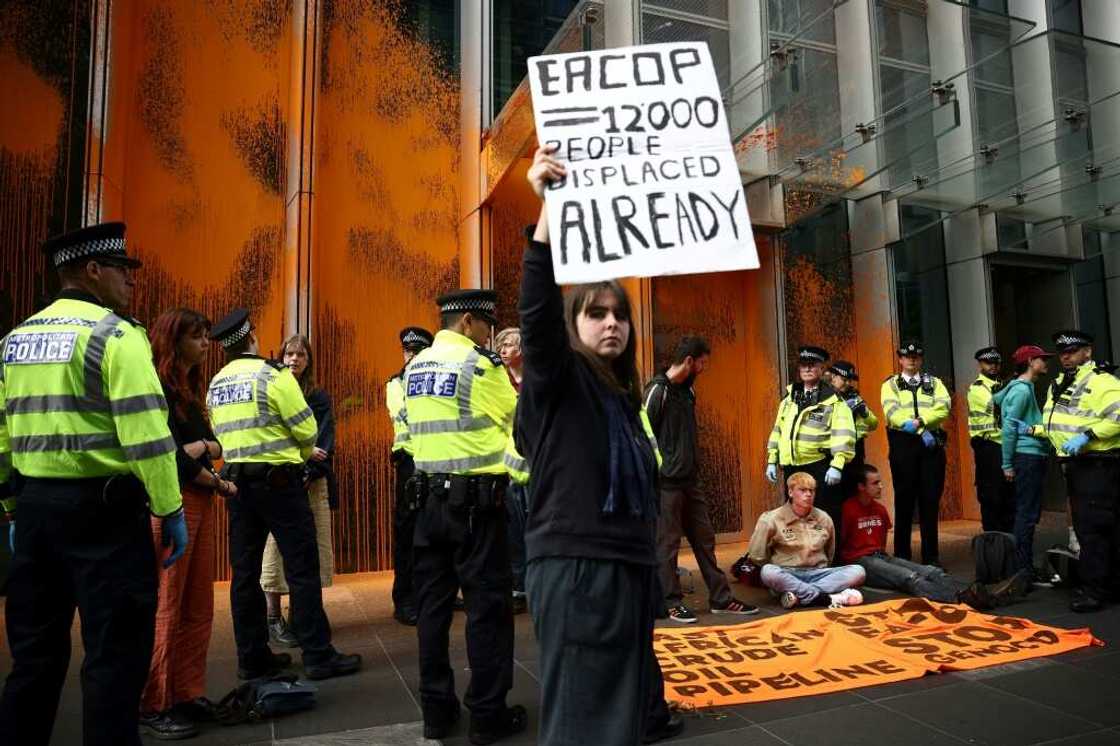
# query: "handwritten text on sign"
[[652, 186]]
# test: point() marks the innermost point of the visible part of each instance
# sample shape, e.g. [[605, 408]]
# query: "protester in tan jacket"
[[794, 545]]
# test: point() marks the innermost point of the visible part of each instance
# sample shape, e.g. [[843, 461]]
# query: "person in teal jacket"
[[1025, 456]]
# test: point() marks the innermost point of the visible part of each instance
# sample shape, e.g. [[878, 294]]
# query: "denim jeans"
[[923, 581], [517, 511], [809, 582], [1030, 473]]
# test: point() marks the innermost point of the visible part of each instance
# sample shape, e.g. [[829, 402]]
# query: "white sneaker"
[[788, 600], [849, 597]]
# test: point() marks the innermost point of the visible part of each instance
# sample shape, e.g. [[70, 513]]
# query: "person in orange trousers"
[[173, 702]]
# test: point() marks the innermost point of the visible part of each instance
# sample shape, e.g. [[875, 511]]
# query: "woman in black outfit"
[[590, 541]]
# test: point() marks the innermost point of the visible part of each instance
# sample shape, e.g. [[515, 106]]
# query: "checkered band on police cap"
[[477, 301], [988, 355], [105, 247], [232, 328], [844, 368], [1072, 338], [103, 240], [415, 337], [813, 354], [236, 335]]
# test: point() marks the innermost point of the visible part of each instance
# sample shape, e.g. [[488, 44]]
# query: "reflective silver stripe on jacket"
[[271, 446], [457, 465], [64, 442], [150, 449]]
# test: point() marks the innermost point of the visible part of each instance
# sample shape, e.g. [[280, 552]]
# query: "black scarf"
[[632, 464]]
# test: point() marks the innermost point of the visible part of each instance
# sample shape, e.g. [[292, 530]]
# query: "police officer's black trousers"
[[918, 475], [404, 525], [600, 681], [456, 547], [829, 498], [1094, 492], [995, 494], [74, 551], [256, 511]]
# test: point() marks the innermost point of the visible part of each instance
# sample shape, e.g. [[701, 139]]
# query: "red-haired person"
[[173, 698]]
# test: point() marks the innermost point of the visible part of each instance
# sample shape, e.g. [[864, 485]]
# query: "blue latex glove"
[[928, 439], [12, 537], [1073, 446], [909, 427], [772, 473], [832, 476], [1021, 427], [174, 531]]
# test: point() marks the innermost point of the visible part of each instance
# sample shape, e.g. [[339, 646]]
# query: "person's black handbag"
[[265, 698]]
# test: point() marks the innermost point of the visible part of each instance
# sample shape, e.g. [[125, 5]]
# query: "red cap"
[[1026, 353]]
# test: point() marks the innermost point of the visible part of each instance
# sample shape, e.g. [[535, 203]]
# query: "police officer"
[[84, 421], [916, 405], [413, 340], [814, 432], [995, 494], [1082, 420], [267, 432], [459, 404], [843, 377]]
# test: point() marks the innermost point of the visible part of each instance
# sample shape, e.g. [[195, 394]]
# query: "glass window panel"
[[811, 117], [922, 291], [902, 34], [706, 8], [1092, 296], [995, 115], [521, 29], [995, 6], [908, 149], [658, 29], [1065, 15], [1069, 60], [437, 23], [790, 17], [989, 51], [1010, 232]]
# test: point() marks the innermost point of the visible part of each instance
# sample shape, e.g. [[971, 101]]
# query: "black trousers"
[[829, 498], [995, 494], [851, 476], [1094, 492], [404, 525], [600, 681], [254, 513], [918, 475], [464, 548], [74, 552]]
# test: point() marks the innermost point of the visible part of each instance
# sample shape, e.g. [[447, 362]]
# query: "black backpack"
[[994, 552], [265, 698]]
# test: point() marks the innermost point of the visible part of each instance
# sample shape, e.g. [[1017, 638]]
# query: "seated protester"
[[866, 523], [794, 544]]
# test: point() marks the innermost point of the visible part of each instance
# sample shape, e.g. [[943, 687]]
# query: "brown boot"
[[1010, 590]]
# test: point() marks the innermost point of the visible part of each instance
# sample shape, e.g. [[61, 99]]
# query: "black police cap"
[[101, 241], [811, 354], [844, 368], [1071, 339], [415, 338], [234, 327], [911, 348], [476, 301], [988, 355]]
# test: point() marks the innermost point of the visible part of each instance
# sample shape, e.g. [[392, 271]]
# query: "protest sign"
[[652, 185], [813, 652]]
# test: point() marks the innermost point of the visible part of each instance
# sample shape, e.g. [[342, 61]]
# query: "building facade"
[[925, 169]]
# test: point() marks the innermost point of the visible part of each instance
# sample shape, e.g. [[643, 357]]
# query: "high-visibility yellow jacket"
[[1088, 402], [982, 421], [394, 402], [259, 413], [929, 402], [516, 464], [804, 435], [80, 398], [459, 404], [866, 421]]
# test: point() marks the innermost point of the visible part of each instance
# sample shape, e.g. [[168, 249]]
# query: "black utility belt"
[[276, 476], [114, 491], [459, 491]]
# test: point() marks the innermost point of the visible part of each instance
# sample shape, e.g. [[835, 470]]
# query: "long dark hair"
[[307, 380], [188, 385], [621, 373]]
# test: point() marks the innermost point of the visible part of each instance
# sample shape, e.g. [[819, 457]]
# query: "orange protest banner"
[[813, 652]]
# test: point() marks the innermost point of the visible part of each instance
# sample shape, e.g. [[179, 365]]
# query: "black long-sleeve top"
[[320, 403], [188, 429], [562, 431]]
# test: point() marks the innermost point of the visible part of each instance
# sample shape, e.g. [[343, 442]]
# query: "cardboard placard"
[[652, 185]]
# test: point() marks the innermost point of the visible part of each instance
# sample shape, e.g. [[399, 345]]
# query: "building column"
[[299, 188], [474, 91], [874, 224]]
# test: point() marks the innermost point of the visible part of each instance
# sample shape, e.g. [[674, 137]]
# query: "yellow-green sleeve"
[[140, 418], [775, 434], [493, 395], [870, 421], [842, 435], [942, 405], [7, 500], [1105, 402], [893, 410], [295, 413]]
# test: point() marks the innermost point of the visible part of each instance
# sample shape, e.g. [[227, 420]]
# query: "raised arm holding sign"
[[651, 185]]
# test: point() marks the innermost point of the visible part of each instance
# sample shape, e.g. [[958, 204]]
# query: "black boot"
[[279, 633], [167, 726], [1012, 589], [496, 727], [337, 665], [977, 596], [1083, 602], [269, 667], [406, 615], [672, 728], [439, 721]]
